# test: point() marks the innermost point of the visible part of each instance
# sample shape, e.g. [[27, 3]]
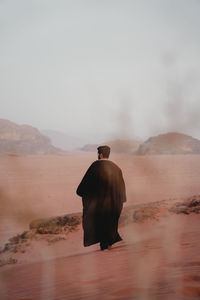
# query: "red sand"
[[154, 261], [37, 186]]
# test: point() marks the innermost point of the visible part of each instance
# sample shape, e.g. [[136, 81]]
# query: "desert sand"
[[157, 259]]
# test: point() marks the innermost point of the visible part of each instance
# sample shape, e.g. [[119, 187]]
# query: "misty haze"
[[76, 75]]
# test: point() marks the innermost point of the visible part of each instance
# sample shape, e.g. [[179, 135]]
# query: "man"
[[103, 192]]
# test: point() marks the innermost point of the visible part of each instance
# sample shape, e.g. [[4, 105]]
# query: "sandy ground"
[[39, 186], [155, 260]]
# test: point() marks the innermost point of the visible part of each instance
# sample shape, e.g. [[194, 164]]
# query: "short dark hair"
[[105, 150]]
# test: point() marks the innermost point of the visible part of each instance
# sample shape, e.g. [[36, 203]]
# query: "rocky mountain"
[[63, 140], [24, 139], [117, 146], [170, 143]]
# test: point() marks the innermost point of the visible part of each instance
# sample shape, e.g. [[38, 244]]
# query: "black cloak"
[[103, 192]]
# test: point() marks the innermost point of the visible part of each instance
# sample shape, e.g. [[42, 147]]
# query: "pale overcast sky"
[[101, 68]]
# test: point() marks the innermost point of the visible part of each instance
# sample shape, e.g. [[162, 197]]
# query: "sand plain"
[[42, 186]]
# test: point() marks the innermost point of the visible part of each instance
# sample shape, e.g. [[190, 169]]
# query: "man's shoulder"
[[107, 163], [100, 162], [94, 165], [114, 165]]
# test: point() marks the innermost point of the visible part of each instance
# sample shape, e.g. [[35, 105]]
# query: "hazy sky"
[[101, 68]]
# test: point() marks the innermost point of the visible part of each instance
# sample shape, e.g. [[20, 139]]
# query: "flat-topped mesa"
[[170, 143]]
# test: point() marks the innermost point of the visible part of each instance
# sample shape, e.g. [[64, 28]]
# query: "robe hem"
[[93, 243]]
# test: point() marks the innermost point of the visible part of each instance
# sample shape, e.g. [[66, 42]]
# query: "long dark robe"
[[103, 192]]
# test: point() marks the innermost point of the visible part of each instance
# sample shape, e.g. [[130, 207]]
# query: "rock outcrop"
[[170, 143], [51, 230], [24, 139], [191, 205], [56, 225]]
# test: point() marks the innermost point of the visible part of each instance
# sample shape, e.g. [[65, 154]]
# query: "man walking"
[[103, 193]]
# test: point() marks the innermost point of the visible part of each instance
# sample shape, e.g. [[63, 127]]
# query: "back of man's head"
[[104, 150]]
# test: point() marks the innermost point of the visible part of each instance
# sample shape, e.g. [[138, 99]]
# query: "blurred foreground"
[[158, 258]]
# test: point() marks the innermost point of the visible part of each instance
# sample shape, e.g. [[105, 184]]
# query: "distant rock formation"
[[123, 146], [24, 139], [117, 146], [170, 143], [63, 140]]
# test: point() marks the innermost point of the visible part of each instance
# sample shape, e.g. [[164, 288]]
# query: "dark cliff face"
[[23, 139], [170, 143]]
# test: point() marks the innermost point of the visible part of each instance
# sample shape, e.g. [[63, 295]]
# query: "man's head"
[[103, 152]]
